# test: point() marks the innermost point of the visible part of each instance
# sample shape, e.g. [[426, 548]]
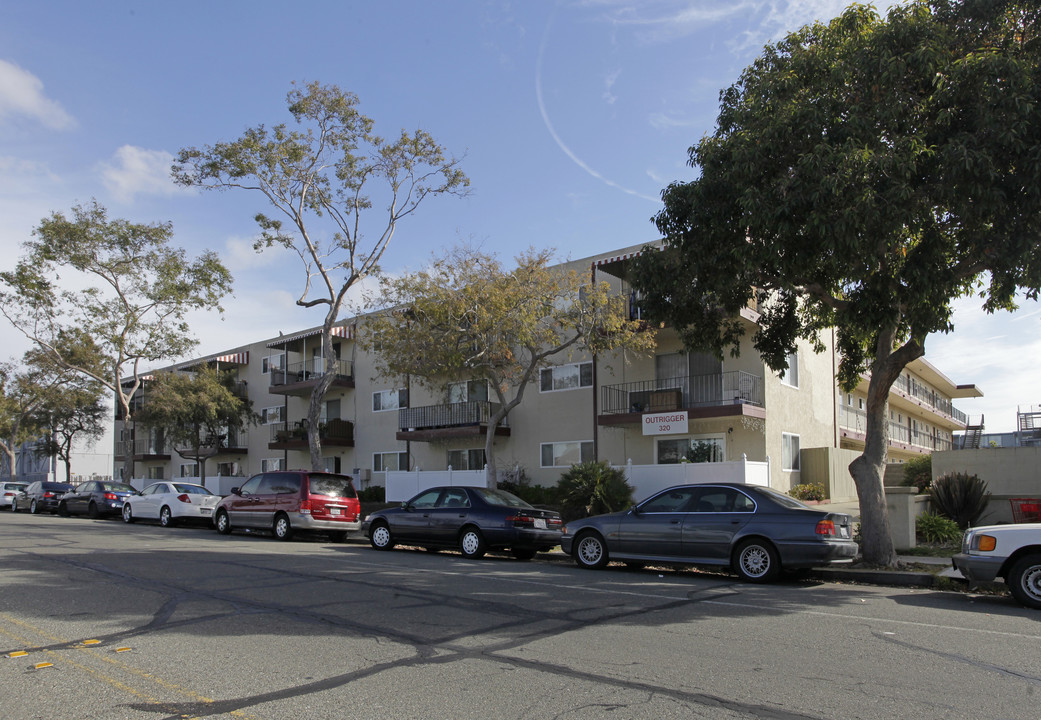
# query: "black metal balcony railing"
[[328, 430], [144, 446], [933, 399], [309, 370], [448, 415], [693, 391]]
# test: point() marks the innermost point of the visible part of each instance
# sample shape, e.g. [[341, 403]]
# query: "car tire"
[[92, 510], [128, 513], [380, 536], [222, 523], [756, 561], [63, 509], [523, 553], [590, 551], [1024, 581], [34, 509], [471, 543], [281, 527], [166, 518]]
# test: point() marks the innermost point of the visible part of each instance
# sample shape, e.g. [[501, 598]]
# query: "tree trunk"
[[314, 407]]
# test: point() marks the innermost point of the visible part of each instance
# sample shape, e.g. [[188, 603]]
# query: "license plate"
[[334, 511], [540, 524], [843, 531], [206, 511]]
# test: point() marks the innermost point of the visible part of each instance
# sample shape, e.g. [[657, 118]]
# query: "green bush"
[[961, 497], [937, 529], [592, 488], [918, 472], [375, 493], [808, 491], [532, 494]]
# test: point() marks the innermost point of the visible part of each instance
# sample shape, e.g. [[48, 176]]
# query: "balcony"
[[235, 442], [143, 449], [853, 427], [293, 436], [452, 420], [299, 378], [703, 396]]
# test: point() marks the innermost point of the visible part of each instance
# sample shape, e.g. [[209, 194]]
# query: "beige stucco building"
[[660, 408]]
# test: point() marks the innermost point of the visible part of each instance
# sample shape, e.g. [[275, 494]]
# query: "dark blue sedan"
[[471, 519], [95, 499], [754, 530]]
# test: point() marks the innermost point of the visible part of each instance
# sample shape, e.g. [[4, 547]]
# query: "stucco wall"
[[1008, 472]]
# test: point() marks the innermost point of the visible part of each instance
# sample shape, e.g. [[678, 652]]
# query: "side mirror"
[[634, 510], [236, 491], [405, 505]]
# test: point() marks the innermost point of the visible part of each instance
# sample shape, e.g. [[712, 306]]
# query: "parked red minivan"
[[287, 501]]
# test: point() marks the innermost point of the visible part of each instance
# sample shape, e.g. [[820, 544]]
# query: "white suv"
[[1011, 552]]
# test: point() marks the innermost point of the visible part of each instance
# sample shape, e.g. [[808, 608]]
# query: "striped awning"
[[341, 331], [617, 258], [239, 358]]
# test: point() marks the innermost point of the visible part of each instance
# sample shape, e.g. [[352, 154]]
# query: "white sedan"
[[169, 502]]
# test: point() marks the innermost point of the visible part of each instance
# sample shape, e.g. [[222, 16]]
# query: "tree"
[[467, 317], [133, 310], [197, 411], [21, 394], [318, 179], [862, 175]]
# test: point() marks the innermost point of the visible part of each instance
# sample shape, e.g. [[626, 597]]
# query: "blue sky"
[[571, 115]]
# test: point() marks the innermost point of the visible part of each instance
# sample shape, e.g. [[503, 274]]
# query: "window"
[[189, 470], [566, 454], [382, 462], [670, 501], [226, 469], [272, 415], [706, 448], [566, 377], [271, 464], [389, 400], [791, 375], [466, 459], [155, 473], [789, 452], [471, 391], [273, 362]]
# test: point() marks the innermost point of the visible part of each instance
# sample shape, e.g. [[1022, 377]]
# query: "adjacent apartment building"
[[667, 407]]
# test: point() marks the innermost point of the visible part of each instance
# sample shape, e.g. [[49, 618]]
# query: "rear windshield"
[[781, 499], [332, 485], [501, 497], [117, 487], [56, 486], [191, 489]]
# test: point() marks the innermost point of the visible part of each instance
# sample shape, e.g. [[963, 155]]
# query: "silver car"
[[7, 492]]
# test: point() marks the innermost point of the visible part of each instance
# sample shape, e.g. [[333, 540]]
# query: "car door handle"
[[674, 522]]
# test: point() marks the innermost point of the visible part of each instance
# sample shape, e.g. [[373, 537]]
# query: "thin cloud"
[[136, 171], [22, 96]]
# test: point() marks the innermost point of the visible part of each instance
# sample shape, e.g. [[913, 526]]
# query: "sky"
[[569, 118]]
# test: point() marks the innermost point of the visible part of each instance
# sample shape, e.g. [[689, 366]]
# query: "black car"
[[754, 530], [40, 496], [472, 519], [95, 498]]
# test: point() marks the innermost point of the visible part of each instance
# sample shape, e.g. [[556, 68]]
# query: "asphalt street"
[[190, 624]]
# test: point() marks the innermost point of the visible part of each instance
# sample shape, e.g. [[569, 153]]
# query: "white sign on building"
[[670, 423]]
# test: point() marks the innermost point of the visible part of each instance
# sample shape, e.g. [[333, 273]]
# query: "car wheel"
[[34, 508], [281, 527], [128, 513], [590, 551], [471, 543], [63, 509], [380, 537], [166, 518], [523, 553], [1024, 581], [92, 510], [222, 522], [756, 561]]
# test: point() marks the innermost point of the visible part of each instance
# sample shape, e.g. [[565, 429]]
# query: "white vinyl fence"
[[219, 484], [403, 485]]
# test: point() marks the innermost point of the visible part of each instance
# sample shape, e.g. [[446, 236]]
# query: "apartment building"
[[666, 407]]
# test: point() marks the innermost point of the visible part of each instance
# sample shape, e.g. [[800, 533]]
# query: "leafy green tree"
[[133, 310], [197, 411], [467, 317], [318, 179], [862, 175], [21, 394]]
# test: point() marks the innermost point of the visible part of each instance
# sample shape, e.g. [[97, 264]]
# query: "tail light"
[[8, 494], [184, 497], [48, 494], [826, 527], [554, 522], [520, 520], [111, 496], [305, 506]]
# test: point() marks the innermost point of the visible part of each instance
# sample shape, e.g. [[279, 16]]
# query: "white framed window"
[[466, 459], [469, 391], [189, 470], [697, 448], [382, 462], [272, 464], [383, 400], [272, 415], [155, 473], [229, 469], [273, 362], [566, 377], [790, 376], [789, 452], [565, 454]]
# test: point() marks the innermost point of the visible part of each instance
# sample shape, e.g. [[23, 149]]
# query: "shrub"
[[532, 494], [961, 497], [808, 491], [918, 472], [937, 529], [374, 493], [592, 488]]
